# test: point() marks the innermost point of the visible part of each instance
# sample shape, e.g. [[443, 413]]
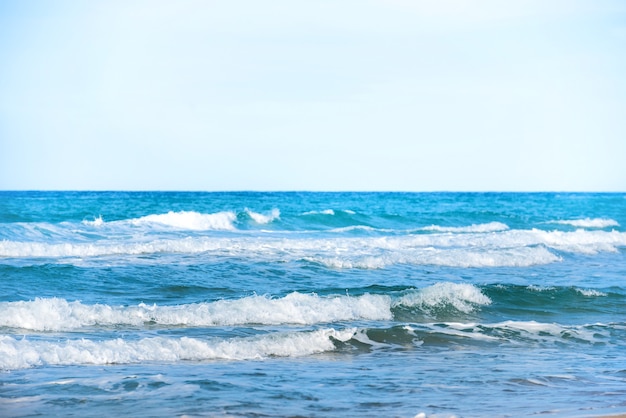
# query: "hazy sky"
[[313, 95]]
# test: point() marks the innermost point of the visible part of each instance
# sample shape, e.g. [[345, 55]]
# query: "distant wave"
[[588, 222], [330, 212], [320, 212], [505, 248], [487, 227], [476, 228], [360, 228], [451, 257], [190, 220]]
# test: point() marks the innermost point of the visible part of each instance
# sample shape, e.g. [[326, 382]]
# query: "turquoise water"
[[312, 304]]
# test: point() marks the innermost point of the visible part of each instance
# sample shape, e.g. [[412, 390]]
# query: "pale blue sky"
[[313, 95]]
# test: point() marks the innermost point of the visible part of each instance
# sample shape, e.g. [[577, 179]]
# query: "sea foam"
[[263, 219], [588, 222], [24, 352], [517, 332], [55, 314], [464, 297], [190, 220], [487, 227], [468, 249]]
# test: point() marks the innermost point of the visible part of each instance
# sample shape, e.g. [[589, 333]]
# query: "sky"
[[381, 95]]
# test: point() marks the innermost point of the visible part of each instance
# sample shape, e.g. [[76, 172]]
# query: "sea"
[[311, 304]]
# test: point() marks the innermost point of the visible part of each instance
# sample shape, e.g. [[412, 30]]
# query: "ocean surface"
[[165, 304]]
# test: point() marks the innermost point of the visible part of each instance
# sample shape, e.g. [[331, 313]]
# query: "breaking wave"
[[24, 352], [505, 248], [56, 314]]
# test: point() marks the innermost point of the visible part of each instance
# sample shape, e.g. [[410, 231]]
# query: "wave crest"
[[55, 314], [463, 297], [25, 353], [263, 219], [191, 220], [588, 222]]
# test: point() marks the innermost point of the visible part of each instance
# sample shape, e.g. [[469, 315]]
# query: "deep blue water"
[[312, 304]]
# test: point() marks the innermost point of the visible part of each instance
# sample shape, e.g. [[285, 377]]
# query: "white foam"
[[476, 228], [519, 332], [55, 314], [264, 219], [591, 292], [359, 228], [535, 288], [60, 250], [549, 332], [24, 353], [190, 220], [464, 297], [451, 257], [581, 241], [320, 212], [588, 222], [504, 248], [96, 222]]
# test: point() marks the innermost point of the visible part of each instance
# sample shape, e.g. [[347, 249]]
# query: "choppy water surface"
[[312, 304]]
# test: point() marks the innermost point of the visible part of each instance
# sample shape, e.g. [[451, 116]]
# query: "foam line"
[[24, 352]]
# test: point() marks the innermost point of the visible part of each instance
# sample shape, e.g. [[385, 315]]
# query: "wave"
[[153, 224], [506, 248], [475, 228], [507, 257], [55, 314], [25, 353], [588, 223], [330, 212], [359, 228], [507, 332], [96, 222], [190, 220], [554, 292], [264, 219], [463, 297]]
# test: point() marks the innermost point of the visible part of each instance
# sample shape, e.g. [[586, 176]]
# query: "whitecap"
[[320, 212], [590, 292], [264, 219], [588, 222], [56, 314], [96, 222], [464, 297], [25, 353], [190, 220]]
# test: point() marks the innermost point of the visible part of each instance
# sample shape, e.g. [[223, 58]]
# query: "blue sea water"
[[168, 304]]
